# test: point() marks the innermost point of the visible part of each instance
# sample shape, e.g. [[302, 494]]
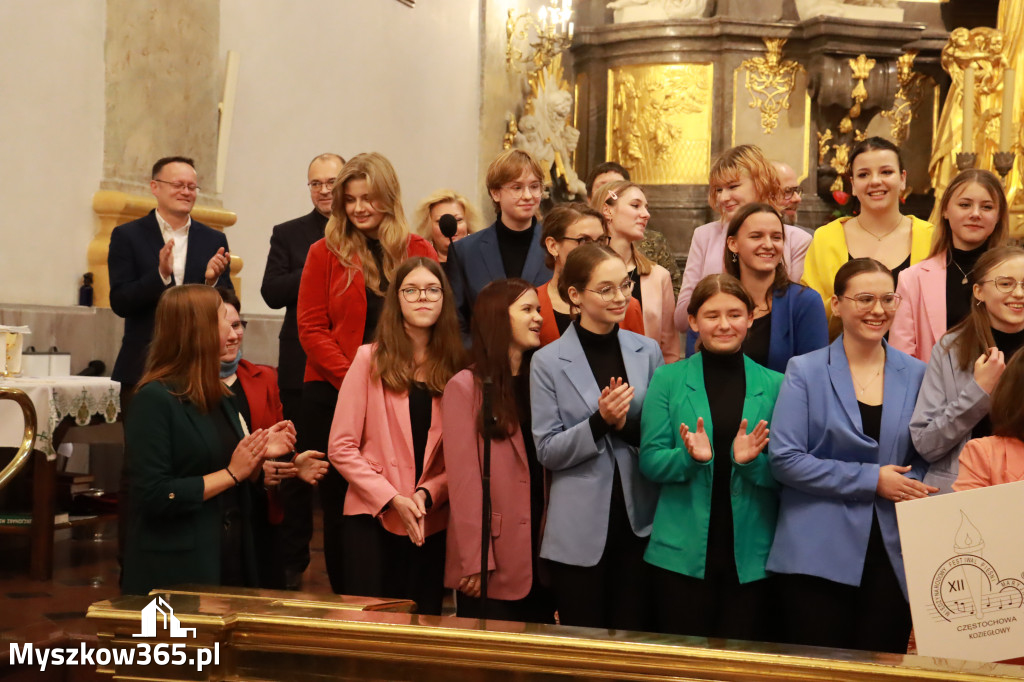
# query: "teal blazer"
[[679, 538], [173, 535]]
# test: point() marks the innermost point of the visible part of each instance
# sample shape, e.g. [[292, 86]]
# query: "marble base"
[[809, 9]]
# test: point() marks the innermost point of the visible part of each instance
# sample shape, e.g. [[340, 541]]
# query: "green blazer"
[[173, 535], [679, 538]]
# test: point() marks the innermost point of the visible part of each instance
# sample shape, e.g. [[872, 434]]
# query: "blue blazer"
[[563, 396], [478, 263], [829, 469], [798, 326], [133, 263]]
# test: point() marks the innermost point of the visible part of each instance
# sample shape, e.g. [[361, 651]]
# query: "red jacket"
[[332, 312], [261, 392], [633, 322]]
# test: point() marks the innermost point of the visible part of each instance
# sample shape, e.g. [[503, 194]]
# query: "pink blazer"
[[707, 249], [921, 319], [990, 461], [511, 552], [658, 304], [371, 446]]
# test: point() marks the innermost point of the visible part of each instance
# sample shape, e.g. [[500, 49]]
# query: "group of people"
[[745, 491]]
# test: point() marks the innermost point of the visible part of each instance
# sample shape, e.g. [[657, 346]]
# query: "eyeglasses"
[[865, 302], [580, 241], [790, 192], [607, 293], [413, 294], [1005, 284], [534, 188], [240, 325], [178, 185], [315, 185]]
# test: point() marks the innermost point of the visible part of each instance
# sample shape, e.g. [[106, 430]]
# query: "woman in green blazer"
[[715, 518], [190, 462]]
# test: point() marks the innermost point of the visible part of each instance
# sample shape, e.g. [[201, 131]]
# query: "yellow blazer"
[[828, 252]]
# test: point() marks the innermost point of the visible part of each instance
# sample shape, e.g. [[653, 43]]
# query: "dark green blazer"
[[679, 538], [174, 536]]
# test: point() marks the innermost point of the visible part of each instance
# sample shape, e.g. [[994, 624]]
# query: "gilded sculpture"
[[770, 81], [908, 97]]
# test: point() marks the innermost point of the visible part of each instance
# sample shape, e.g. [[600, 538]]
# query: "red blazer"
[[261, 392], [371, 446], [990, 461], [331, 312], [511, 554], [633, 322]]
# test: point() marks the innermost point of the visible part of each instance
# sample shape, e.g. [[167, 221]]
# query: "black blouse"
[[374, 303], [756, 345], [635, 276], [420, 404], [605, 358], [562, 321], [958, 291], [514, 245], [871, 418]]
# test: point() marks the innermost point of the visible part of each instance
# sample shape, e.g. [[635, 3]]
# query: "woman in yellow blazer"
[[879, 231]]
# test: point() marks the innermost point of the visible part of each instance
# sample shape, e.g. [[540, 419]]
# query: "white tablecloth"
[[56, 398]]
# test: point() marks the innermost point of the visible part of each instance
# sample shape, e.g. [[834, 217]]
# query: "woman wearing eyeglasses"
[[841, 450], [386, 442], [586, 391], [565, 227], [966, 365], [624, 208]]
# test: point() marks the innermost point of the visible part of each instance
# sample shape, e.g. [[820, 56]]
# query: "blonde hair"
[[347, 242], [508, 166], [942, 241], [749, 159], [608, 195], [422, 220]]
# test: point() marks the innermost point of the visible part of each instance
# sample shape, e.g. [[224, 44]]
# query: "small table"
[[61, 403]]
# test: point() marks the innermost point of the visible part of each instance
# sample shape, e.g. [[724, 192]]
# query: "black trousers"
[[717, 606], [296, 498], [379, 563], [318, 401], [538, 606], [873, 616]]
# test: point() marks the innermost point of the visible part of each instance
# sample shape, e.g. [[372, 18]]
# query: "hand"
[[696, 442], [249, 454], [282, 439], [274, 472], [167, 259], [470, 585], [311, 466], [412, 512], [893, 485], [614, 403], [988, 368], [748, 446], [215, 268]]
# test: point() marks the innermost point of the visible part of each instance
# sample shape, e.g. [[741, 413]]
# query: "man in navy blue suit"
[[159, 250]]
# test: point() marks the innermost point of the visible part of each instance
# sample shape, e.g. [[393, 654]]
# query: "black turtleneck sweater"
[[514, 245], [958, 292], [1009, 343], [374, 303], [605, 358]]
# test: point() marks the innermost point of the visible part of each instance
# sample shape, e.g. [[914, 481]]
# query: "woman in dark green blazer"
[[190, 462], [716, 511]]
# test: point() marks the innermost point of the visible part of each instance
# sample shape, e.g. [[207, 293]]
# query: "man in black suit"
[[289, 244], [159, 250]]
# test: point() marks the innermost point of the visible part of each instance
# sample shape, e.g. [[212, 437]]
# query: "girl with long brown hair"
[[386, 442], [341, 296], [190, 461]]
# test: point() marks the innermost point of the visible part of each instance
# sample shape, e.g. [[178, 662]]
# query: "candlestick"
[[1006, 130], [967, 143], [965, 161], [1003, 163]]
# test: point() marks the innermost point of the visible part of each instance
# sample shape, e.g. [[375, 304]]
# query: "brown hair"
[[974, 332], [347, 242], [393, 361], [492, 334], [872, 144], [231, 298], [854, 267], [579, 266], [185, 351], [750, 159], [608, 195], [159, 165], [558, 221], [719, 283], [1007, 412], [732, 267], [601, 169], [508, 166], [943, 240]]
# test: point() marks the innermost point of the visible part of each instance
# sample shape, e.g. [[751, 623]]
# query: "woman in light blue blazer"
[[789, 318], [586, 393], [840, 447]]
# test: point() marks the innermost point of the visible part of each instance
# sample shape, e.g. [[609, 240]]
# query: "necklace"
[[864, 387], [953, 261], [860, 224]]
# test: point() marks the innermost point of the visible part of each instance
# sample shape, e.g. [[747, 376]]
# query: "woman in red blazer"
[[386, 442], [565, 227], [506, 328], [341, 294]]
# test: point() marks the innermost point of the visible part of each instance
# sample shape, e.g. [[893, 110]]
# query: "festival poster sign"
[[964, 558]]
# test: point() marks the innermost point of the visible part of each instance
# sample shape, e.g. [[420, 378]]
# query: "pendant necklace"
[[860, 224], [953, 261], [864, 387]]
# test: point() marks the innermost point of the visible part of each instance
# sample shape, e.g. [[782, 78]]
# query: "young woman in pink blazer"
[[936, 292], [506, 329], [386, 442]]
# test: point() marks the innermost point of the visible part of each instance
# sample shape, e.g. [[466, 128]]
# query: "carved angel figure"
[[652, 10]]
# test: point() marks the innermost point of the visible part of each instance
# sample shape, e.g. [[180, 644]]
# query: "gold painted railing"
[[28, 438]]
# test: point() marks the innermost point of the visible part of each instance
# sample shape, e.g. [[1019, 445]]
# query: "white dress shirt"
[[179, 249]]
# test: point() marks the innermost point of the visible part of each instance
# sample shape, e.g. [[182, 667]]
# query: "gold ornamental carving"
[[908, 97], [770, 81], [659, 122], [861, 67], [823, 146]]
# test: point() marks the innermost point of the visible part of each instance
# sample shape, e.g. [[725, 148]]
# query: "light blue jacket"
[[563, 395]]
